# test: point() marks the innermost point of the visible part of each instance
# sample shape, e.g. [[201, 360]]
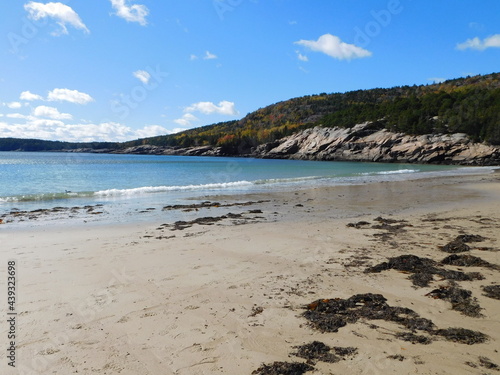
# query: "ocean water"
[[124, 184]]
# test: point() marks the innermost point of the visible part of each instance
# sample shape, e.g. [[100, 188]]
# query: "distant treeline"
[[20, 144], [468, 105]]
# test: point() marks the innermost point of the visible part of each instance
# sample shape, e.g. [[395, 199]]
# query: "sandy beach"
[[236, 288]]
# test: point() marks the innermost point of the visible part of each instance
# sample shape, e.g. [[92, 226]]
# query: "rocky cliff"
[[363, 142]]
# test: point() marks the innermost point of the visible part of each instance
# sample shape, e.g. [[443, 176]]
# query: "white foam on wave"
[[289, 180], [399, 171], [163, 189], [43, 197]]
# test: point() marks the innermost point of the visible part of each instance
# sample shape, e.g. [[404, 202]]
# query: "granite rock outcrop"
[[364, 142]]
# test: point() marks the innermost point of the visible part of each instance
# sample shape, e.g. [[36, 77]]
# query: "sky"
[[118, 70]]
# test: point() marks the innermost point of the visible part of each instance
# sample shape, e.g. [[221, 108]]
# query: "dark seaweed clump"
[[492, 291], [422, 269], [328, 315], [467, 261], [283, 368], [486, 363], [459, 244], [318, 351], [390, 225], [470, 238], [406, 263], [462, 335], [413, 338], [455, 246], [358, 225], [397, 357], [207, 220], [461, 299]]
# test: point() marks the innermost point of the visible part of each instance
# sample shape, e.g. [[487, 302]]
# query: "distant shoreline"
[[363, 142]]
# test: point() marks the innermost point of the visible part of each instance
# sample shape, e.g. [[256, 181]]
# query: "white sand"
[[112, 300]]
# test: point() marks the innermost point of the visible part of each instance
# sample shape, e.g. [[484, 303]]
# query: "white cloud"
[[52, 129], [209, 56], [224, 108], [13, 105], [19, 116], [132, 13], [151, 131], [302, 57], [72, 96], [332, 46], [61, 13], [26, 95], [142, 76], [51, 112], [492, 41], [108, 131], [186, 120]]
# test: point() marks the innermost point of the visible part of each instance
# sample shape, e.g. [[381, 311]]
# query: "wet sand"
[[225, 290]]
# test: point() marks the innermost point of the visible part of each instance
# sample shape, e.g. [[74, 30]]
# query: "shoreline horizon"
[[99, 207]]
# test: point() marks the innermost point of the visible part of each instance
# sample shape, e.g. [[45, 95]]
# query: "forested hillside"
[[466, 105]]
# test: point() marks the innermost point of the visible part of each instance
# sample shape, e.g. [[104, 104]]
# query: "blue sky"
[[116, 70]]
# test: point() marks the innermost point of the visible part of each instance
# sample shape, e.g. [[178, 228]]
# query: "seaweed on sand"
[[462, 335], [492, 291], [283, 368], [470, 238], [422, 269], [459, 244], [358, 225], [468, 261], [461, 299], [455, 246], [390, 225], [208, 204], [207, 220], [406, 263], [397, 357], [318, 351], [421, 279], [328, 315], [486, 363], [413, 338]]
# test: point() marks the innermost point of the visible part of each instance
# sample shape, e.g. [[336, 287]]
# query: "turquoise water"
[[42, 180]]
